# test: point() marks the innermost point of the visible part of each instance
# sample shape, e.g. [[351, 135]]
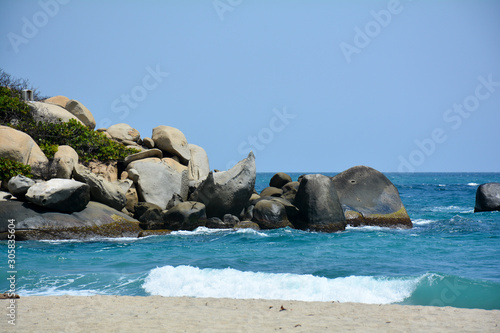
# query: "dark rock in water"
[[247, 225], [217, 223], [487, 197], [292, 212], [318, 204], [19, 185], [228, 222], [228, 192], [368, 192], [63, 195], [228, 218], [279, 180], [149, 215], [35, 223], [290, 191], [270, 215], [141, 207], [271, 192], [187, 215]]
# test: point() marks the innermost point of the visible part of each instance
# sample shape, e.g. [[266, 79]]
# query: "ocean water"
[[450, 258]]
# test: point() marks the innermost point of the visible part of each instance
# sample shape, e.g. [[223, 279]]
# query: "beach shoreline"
[[186, 314]]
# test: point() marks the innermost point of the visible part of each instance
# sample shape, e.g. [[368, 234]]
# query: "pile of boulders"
[[168, 185]]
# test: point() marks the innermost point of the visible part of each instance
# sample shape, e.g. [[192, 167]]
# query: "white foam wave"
[[472, 184], [251, 232], [55, 291], [366, 228], [199, 231], [422, 221], [93, 239], [447, 209], [230, 283]]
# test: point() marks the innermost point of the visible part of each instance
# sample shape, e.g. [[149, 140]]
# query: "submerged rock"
[[318, 204], [35, 223], [487, 197], [368, 192]]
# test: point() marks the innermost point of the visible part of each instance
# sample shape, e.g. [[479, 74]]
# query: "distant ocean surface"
[[450, 258]]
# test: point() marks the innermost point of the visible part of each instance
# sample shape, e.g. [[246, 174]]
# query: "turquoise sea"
[[450, 258]]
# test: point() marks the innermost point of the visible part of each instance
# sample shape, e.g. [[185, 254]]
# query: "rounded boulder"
[[487, 197]]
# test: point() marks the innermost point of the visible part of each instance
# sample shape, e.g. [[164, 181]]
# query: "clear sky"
[[309, 86]]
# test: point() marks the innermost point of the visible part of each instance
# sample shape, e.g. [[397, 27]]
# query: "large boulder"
[[51, 113], [142, 155], [279, 180], [270, 215], [101, 190], [157, 181], [487, 197], [198, 167], [81, 112], [95, 220], [58, 100], [20, 147], [19, 185], [187, 215], [173, 141], [63, 195], [369, 198], [63, 163], [318, 204], [228, 192], [123, 132]]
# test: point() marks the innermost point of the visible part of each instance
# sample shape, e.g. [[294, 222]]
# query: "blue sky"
[[309, 86]]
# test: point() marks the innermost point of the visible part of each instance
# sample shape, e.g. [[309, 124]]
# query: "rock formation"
[[369, 198], [487, 197]]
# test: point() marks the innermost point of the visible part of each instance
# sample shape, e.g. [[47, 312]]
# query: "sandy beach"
[[183, 314]]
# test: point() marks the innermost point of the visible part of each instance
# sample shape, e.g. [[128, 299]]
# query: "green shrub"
[[10, 168], [12, 108], [89, 144]]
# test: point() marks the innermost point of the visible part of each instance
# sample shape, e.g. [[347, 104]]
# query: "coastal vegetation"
[[89, 144]]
